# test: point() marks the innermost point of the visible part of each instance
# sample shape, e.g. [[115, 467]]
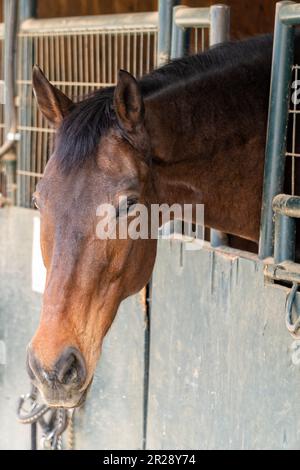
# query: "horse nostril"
[[70, 368], [69, 371]]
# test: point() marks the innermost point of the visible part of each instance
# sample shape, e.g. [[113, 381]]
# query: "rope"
[[53, 426]]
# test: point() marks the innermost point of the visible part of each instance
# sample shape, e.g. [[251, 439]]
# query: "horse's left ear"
[[128, 102]]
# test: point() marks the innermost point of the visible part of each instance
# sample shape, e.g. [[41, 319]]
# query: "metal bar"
[[285, 238], [277, 124], [27, 9], [219, 32], [294, 141], [187, 17], [285, 204], [290, 13], [154, 52], [219, 24], [10, 112], [290, 154], [179, 35], [30, 173], [218, 238], [165, 15], [86, 23], [286, 271]]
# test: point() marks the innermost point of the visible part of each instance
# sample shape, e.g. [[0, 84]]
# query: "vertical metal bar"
[[283, 48], [134, 53], [219, 24], [97, 77], [285, 238], [116, 57], [148, 53], [154, 55], [203, 39], [109, 56], [179, 37], [69, 61], [293, 177], [86, 66], [141, 55], [103, 58], [165, 14], [219, 31], [10, 116], [27, 9], [62, 55], [196, 40], [122, 51]]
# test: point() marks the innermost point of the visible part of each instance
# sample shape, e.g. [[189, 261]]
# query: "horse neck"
[[208, 138]]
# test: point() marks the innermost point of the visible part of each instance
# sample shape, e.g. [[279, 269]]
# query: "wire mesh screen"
[[77, 62], [293, 138]]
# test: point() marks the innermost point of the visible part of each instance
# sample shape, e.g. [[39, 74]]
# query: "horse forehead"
[[116, 156]]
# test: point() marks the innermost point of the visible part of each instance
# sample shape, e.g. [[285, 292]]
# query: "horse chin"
[[69, 402]]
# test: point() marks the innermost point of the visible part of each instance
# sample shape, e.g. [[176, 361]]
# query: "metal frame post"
[[180, 36], [285, 240], [219, 32], [27, 10], [286, 209], [10, 117], [282, 62], [165, 18], [220, 24]]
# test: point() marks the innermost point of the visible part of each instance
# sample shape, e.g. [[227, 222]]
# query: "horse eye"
[[131, 202], [126, 206]]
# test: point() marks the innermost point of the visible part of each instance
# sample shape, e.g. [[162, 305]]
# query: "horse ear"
[[128, 101], [52, 102]]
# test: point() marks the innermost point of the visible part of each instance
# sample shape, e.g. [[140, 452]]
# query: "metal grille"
[[2, 130], [293, 141], [78, 58]]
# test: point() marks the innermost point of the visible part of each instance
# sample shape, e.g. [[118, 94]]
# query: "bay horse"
[[192, 131]]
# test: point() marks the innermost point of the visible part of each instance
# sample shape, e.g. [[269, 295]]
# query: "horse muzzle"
[[63, 385]]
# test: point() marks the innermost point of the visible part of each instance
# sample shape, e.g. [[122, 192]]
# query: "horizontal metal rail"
[[186, 17], [285, 204], [287, 271], [86, 24], [290, 13]]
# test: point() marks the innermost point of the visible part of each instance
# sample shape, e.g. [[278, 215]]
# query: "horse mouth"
[[57, 401]]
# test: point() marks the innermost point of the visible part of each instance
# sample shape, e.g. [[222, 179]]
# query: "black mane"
[[80, 132]]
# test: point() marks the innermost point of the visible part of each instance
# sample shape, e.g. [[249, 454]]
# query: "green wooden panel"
[[224, 372]]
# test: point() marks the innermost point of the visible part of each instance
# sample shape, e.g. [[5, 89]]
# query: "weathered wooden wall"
[[249, 17]]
